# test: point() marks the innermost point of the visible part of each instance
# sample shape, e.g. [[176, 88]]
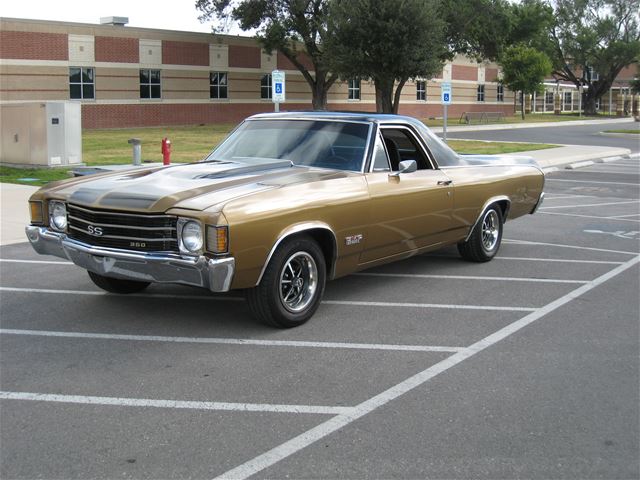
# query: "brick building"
[[126, 77]]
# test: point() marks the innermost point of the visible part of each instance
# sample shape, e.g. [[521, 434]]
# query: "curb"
[[586, 163]]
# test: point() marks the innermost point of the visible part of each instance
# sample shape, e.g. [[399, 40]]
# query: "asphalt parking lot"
[[526, 366]]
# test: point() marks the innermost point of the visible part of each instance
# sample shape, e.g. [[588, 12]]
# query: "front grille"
[[112, 229]]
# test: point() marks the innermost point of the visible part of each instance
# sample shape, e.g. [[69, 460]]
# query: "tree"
[[386, 41], [524, 69], [592, 41], [282, 25]]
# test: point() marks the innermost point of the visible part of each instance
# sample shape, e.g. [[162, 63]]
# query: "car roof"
[[329, 115]]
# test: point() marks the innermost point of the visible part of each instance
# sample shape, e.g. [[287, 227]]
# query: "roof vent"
[[117, 21]]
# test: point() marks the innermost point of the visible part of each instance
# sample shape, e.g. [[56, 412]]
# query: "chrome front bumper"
[[200, 271]]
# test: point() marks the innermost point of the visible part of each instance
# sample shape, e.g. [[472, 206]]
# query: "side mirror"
[[406, 166]]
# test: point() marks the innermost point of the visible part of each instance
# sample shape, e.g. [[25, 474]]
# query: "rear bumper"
[[213, 274], [540, 201]]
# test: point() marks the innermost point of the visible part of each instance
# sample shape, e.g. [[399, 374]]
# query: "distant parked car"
[[286, 202]]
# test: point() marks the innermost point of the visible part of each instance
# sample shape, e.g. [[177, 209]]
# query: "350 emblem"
[[95, 231]]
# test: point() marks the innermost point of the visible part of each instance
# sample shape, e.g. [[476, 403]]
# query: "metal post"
[[444, 126], [276, 106]]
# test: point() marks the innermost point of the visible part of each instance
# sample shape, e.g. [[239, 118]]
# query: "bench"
[[481, 117]]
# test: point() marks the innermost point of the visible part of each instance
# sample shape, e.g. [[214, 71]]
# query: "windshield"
[[312, 143]]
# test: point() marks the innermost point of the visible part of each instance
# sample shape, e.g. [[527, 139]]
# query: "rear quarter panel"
[[475, 185]]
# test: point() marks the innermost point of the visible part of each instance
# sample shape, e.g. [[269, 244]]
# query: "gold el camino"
[[286, 202]]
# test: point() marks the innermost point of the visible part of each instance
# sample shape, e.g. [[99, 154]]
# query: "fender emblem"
[[353, 239]]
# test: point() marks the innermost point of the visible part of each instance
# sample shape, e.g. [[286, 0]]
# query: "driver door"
[[408, 211]]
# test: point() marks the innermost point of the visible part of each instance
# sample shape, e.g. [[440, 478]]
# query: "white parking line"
[[625, 216], [590, 216], [590, 181], [232, 341], [470, 277], [533, 259], [39, 262], [560, 197], [591, 205], [179, 404], [329, 302], [559, 245], [311, 436], [558, 260]]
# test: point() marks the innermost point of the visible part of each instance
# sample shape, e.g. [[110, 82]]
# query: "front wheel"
[[292, 285], [484, 241], [117, 285]]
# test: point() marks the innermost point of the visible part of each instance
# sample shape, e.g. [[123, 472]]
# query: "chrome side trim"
[[215, 274], [299, 228], [498, 198]]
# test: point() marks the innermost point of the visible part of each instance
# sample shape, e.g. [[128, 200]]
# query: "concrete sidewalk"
[[15, 209], [454, 126]]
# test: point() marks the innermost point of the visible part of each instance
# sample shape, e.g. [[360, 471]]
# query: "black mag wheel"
[[292, 285], [117, 285], [484, 241]]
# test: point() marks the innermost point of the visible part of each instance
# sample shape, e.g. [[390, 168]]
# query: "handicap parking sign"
[[278, 88], [445, 97]]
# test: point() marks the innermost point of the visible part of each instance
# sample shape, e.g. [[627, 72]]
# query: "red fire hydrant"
[[166, 151]]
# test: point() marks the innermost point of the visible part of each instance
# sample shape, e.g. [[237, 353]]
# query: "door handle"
[[445, 182]]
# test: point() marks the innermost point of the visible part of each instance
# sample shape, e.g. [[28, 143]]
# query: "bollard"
[[166, 151], [137, 150]]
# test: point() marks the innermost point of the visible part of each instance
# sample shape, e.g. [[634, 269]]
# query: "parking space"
[[177, 383]]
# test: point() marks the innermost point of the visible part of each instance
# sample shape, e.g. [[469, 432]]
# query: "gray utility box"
[[41, 134]]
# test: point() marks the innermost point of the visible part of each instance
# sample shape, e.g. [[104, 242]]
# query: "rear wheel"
[[117, 285], [292, 285], [484, 241]]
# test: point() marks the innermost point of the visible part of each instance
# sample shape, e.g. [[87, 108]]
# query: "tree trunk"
[[319, 100], [589, 102], [396, 95], [384, 96], [522, 104]]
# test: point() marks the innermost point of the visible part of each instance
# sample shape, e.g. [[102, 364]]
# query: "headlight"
[[58, 216], [191, 236]]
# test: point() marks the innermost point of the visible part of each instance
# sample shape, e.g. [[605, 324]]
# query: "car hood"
[[196, 186]]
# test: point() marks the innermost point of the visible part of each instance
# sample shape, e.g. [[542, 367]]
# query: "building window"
[[218, 85], [150, 83], [500, 93], [81, 83], [265, 86], [568, 100], [548, 98], [421, 90], [354, 89], [593, 76], [480, 95]]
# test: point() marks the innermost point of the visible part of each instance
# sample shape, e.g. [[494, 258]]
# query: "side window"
[[380, 159], [402, 145]]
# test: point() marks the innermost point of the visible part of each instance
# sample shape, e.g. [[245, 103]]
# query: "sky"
[[169, 15]]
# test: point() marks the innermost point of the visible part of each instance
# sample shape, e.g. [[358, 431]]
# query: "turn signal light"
[[218, 239], [37, 215]]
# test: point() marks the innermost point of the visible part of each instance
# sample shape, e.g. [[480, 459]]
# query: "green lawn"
[[189, 144]]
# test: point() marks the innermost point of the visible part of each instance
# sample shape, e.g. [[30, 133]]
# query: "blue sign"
[[445, 90], [278, 88]]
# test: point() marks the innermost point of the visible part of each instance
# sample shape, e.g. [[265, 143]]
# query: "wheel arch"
[[503, 202], [322, 233]]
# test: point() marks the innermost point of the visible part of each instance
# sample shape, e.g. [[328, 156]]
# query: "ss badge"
[[95, 231]]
